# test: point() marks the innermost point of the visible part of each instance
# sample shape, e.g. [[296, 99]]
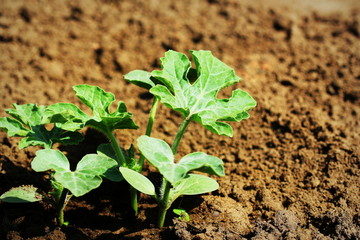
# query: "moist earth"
[[292, 169]]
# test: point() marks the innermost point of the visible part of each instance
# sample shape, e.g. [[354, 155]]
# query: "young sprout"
[[198, 102]]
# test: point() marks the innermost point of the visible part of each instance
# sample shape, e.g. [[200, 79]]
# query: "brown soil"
[[292, 168]]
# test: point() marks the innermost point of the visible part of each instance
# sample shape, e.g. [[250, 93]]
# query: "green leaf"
[[193, 184], [138, 181], [101, 166], [22, 194], [29, 122], [46, 138], [95, 98], [87, 175], [157, 151], [140, 78], [49, 159], [68, 115], [198, 101], [78, 183], [107, 150], [201, 162], [183, 215], [13, 127], [99, 101], [159, 154], [28, 114]]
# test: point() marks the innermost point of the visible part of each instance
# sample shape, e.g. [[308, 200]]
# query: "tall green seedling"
[[196, 102], [142, 79]]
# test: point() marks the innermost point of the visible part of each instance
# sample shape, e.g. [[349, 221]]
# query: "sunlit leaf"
[[140, 78], [159, 154], [99, 101], [198, 101], [138, 181], [194, 184], [22, 194], [30, 121], [87, 176], [13, 127]]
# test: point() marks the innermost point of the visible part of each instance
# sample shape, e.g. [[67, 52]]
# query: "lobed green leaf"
[[68, 115], [95, 98], [28, 114], [13, 127], [72, 118], [198, 101], [29, 122], [40, 136]]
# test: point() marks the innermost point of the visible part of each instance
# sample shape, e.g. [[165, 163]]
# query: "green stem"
[[149, 127], [119, 153], [61, 203], [166, 186], [179, 135], [163, 205], [134, 199], [152, 116], [133, 192]]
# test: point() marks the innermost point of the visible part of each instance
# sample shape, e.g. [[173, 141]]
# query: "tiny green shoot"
[[183, 215], [29, 122]]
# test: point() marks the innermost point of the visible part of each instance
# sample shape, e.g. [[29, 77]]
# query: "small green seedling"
[[29, 121], [72, 118], [177, 175], [198, 102], [183, 215]]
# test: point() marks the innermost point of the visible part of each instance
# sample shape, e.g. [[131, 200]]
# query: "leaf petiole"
[[120, 157], [149, 127], [179, 135], [133, 192], [164, 203]]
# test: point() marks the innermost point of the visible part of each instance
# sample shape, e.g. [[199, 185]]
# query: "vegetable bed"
[[291, 169]]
